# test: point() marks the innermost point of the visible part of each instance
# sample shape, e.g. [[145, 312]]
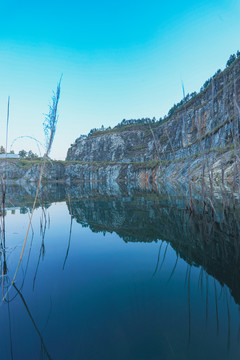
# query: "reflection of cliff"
[[199, 240], [214, 245], [18, 196], [147, 216]]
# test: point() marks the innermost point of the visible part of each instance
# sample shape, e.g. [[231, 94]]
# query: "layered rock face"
[[14, 171], [109, 147], [208, 124]]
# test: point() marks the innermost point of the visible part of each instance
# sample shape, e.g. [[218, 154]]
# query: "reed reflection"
[[208, 241]]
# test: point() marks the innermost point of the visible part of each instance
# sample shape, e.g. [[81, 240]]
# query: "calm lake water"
[[118, 273]]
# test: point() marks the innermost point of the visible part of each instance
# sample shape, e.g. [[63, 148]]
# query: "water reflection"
[[7, 282], [44, 352], [207, 243]]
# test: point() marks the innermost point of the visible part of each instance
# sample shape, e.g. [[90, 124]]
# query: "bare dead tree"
[[156, 144], [170, 142], [190, 197], [236, 129]]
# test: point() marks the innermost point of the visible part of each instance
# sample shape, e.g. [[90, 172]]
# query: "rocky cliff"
[[206, 127]]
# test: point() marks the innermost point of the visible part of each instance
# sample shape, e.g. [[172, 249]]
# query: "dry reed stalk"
[[8, 107], [3, 178], [2, 209], [49, 129]]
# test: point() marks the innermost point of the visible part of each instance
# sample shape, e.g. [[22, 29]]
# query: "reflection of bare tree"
[[43, 227], [238, 324], [206, 298], [70, 231], [207, 230], [229, 322], [10, 328], [216, 304], [158, 259], [164, 256], [43, 346], [200, 280], [173, 270], [159, 252], [189, 304]]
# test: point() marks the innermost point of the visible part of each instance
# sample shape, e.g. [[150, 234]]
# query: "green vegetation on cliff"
[[134, 124]]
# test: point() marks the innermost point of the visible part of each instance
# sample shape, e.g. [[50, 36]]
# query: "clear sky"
[[119, 59]]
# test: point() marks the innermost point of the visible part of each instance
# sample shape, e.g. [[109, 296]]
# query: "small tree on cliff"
[[231, 60], [31, 155], [2, 150], [22, 153]]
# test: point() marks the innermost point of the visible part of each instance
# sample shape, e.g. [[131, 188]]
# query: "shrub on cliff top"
[[231, 59]]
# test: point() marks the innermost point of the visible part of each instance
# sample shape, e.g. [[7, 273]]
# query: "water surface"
[[118, 273]]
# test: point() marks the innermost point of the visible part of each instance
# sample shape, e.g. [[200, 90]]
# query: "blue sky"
[[119, 60]]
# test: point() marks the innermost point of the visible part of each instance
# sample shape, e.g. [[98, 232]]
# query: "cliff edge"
[[204, 131]]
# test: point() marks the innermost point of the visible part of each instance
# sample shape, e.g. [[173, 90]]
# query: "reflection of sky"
[[107, 301], [119, 59]]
